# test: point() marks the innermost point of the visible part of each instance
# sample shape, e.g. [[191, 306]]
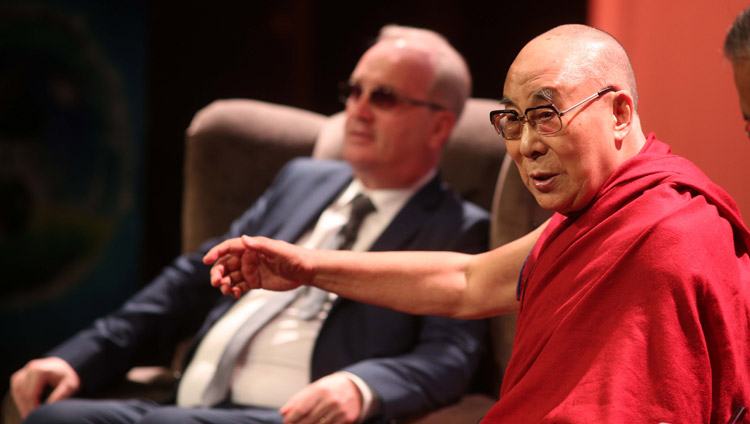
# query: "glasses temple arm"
[[587, 99]]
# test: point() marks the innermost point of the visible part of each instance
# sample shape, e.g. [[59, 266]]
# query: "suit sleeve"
[[148, 326]]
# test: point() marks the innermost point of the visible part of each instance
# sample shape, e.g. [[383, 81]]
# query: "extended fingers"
[[220, 275], [233, 246], [226, 271]]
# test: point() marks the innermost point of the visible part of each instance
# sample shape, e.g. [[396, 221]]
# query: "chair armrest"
[[10, 414], [468, 410]]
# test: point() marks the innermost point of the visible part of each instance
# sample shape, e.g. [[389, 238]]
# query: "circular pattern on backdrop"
[[65, 153]]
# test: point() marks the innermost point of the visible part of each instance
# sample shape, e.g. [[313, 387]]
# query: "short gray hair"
[[737, 43], [452, 84]]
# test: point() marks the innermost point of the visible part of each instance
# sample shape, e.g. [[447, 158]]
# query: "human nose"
[[531, 144]]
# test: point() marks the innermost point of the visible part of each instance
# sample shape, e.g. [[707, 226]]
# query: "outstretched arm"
[[428, 283]]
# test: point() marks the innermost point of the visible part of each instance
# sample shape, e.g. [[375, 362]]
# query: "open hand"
[[245, 263]]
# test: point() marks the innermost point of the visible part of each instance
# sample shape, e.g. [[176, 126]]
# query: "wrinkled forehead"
[[545, 69]]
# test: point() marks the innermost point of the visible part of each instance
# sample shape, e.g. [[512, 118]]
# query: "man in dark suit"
[[344, 362]]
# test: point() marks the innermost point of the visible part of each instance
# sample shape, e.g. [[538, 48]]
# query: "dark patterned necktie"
[[314, 300]]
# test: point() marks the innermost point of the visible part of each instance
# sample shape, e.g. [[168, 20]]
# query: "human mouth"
[[359, 135], [543, 181]]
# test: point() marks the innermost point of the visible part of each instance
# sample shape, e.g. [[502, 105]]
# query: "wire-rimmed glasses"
[[545, 120]]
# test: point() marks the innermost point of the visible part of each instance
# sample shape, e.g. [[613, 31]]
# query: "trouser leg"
[[135, 411], [178, 415], [91, 411]]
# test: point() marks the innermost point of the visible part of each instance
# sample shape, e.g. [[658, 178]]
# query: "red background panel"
[[685, 86]]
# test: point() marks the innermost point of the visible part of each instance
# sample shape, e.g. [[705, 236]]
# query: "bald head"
[[581, 54], [585, 76], [451, 85]]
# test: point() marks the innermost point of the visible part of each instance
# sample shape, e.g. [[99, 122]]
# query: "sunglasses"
[[382, 97]]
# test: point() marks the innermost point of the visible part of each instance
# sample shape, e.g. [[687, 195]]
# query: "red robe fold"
[[637, 309]]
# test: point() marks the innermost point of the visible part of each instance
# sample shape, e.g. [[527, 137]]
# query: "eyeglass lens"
[[543, 120]]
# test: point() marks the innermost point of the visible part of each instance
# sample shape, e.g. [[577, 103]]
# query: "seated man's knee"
[[172, 415], [62, 412]]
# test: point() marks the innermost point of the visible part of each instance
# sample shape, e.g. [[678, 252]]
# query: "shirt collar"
[[383, 199]]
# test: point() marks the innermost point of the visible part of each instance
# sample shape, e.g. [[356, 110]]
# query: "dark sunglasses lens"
[[347, 91], [383, 99], [355, 91]]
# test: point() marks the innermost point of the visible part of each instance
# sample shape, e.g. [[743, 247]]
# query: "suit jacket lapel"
[[411, 218], [310, 206]]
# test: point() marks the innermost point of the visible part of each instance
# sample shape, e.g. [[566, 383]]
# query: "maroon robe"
[[636, 309]]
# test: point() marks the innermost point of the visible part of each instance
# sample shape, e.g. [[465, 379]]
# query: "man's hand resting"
[[333, 399], [29, 383], [242, 264]]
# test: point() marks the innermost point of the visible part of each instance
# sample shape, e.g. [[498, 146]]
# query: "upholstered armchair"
[[235, 147]]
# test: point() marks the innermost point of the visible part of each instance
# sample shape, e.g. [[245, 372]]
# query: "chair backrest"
[[233, 150]]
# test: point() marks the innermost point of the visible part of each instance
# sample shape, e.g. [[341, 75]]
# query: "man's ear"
[[444, 122], [623, 113]]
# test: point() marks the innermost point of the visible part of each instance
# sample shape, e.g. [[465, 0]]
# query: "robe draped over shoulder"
[[636, 309]]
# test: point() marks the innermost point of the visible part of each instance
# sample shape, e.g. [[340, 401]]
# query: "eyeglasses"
[[382, 97], [545, 120]]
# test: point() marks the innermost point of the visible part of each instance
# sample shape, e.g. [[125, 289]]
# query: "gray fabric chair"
[[235, 147]]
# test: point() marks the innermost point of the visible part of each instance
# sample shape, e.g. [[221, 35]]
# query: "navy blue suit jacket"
[[415, 364]]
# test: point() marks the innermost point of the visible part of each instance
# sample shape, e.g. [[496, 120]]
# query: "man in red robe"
[[634, 303]]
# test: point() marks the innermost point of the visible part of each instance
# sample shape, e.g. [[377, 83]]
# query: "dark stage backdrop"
[[72, 95], [95, 97]]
